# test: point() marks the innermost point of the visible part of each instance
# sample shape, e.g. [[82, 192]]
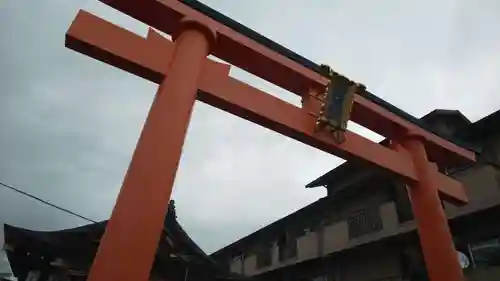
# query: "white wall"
[[4, 262]]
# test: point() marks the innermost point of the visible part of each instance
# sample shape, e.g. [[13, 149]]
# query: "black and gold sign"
[[337, 102]]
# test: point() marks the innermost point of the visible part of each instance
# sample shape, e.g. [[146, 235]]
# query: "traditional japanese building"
[[363, 230], [67, 255]]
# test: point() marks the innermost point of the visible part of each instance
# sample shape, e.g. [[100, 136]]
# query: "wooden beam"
[[267, 64], [97, 38]]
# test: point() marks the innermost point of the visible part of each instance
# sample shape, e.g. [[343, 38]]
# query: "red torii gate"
[[184, 74]]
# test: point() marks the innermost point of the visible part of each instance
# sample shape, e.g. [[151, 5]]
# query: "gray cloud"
[[69, 124]]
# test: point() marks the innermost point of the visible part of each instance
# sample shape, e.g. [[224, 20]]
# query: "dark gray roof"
[[483, 128], [80, 244], [439, 113], [79, 238]]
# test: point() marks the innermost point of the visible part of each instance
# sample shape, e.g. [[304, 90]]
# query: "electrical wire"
[[46, 202]]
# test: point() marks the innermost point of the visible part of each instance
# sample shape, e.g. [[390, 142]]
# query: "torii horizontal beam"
[[104, 41], [282, 71]]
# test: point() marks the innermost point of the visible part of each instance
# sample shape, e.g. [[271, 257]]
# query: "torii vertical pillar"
[[153, 166], [434, 233]]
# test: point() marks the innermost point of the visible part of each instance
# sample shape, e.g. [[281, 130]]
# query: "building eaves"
[[436, 113], [273, 229], [348, 168], [338, 173], [483, 128]]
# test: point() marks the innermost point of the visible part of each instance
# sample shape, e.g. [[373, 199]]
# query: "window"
[[364, 222], [399, 194], [321, 278], [486, 253], [264, 256], [33, 275], [287, 247], [323, 275], [240, 263]]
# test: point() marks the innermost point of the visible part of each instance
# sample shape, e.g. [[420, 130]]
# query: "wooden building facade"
[[363, 230]]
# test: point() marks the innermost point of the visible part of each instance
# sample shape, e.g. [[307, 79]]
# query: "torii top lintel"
[[149, 58], [262, 57]]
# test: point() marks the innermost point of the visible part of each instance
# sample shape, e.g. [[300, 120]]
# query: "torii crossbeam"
[[184, 74]]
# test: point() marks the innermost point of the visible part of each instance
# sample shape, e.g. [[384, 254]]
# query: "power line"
[[45, 202]]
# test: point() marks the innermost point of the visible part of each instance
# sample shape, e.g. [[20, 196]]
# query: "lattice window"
[[486, 253], [364, 222], [264, 256], [287, 247], [399, 194]]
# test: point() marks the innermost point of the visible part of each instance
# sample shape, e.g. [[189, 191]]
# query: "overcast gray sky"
[[69, 124]]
